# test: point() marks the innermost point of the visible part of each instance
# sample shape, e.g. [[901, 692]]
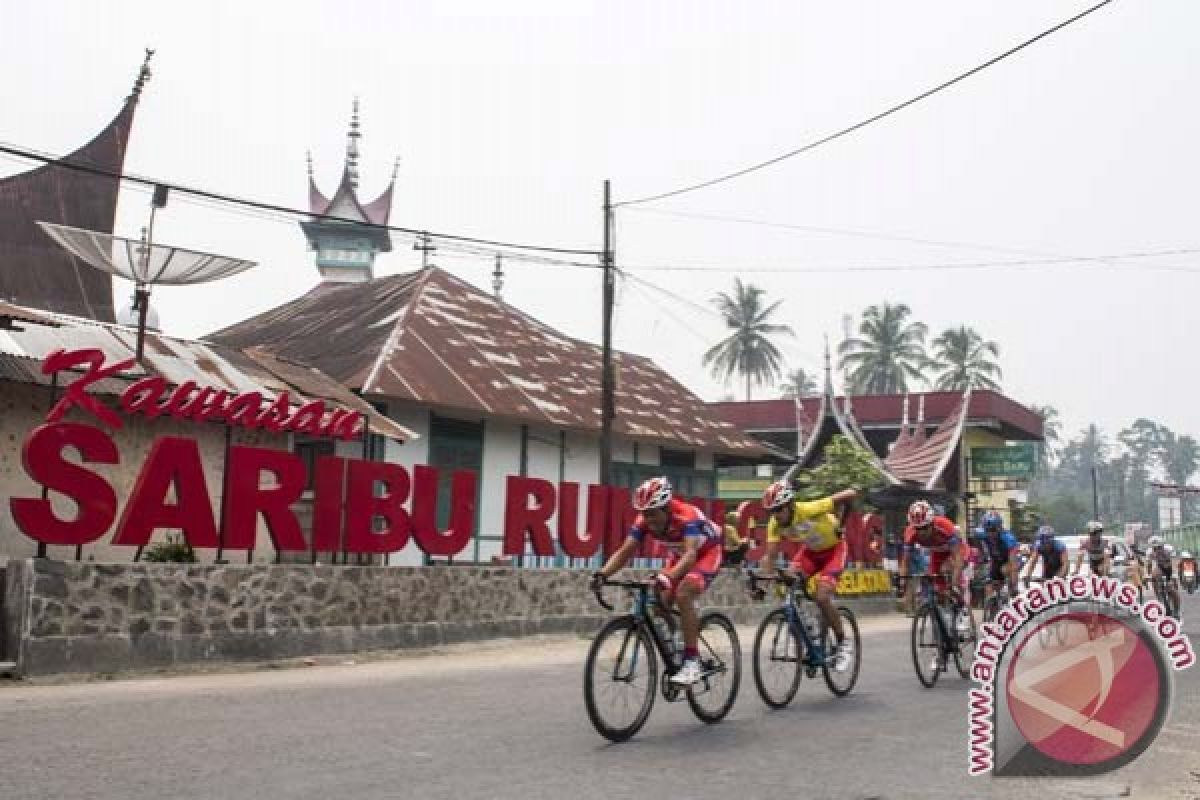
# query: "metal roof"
[[432, 338], [176, 361]]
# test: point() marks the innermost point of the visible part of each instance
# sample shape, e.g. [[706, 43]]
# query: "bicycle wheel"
[[926, 646], [840, 683], [964, 657], [714, 694], [777, 660], [620, 679]]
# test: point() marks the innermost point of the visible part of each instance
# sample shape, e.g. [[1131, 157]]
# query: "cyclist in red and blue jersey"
[[1000, 551], [694, 558]]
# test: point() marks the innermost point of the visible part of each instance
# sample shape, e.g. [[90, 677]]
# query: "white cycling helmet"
[[1156, 541], [1095, 527], [1186, 554]]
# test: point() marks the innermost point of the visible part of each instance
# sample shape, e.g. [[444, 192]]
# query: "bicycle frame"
[[929, 595], [642, 611], [797, 594]]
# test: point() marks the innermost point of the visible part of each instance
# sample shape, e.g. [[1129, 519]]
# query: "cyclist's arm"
[[1033, 560], [957, 565], [691, 550], [618, 559], [767, 567], [844, 496]]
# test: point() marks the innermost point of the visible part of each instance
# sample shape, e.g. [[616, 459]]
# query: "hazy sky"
[[508, 116]]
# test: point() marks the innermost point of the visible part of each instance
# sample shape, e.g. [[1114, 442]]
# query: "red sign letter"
[[330, 489], [424, 511], [569, 540], [43, 460], [519, 518], [362, 507], [76, 392], [173, 461], [247, 497]]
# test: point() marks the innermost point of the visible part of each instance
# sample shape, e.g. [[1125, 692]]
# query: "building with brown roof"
[[489, 388]]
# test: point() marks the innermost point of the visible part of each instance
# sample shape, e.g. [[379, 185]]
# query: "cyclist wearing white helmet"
[[1160, 558], [1097, 550], [694, 557], [1187, 571], [822, 551]]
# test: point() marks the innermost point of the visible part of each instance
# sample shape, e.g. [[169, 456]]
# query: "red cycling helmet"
[[778, 495], [653, 493], [920, 514]]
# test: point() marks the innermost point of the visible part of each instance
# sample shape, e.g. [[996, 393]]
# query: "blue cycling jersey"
[[996, 549]]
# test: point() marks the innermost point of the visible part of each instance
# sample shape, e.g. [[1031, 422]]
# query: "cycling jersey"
[[813, 523], [1096, 549], [941, 536], [685, 522], [1052, 558], [997, 548], [1161, 556]]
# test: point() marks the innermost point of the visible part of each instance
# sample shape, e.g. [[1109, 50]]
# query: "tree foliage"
[[962, 359], [845, 464], [748, 350], [888, 355]]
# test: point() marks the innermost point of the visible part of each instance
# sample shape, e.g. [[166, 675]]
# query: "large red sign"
[[358, 506]]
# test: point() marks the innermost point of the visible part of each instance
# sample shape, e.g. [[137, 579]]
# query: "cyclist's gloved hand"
[[597, 581], [663, 581]]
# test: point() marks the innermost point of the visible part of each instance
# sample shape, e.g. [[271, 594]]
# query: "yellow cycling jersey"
[[813, 523]]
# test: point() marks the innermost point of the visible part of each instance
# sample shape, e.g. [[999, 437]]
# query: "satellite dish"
[[143, 262]]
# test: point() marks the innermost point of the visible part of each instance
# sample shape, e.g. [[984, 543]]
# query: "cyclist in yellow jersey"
[[822, 552]]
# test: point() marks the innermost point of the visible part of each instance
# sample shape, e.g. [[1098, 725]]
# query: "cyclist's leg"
[[691, 587], [828, 566]]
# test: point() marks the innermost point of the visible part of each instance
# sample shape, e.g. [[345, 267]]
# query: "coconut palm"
[[887, 354], [964, 360], [748, 350], [1051, 434], [798, 384]]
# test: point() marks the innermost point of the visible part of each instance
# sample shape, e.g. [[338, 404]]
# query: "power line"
[[1096, 262], [872, 119], [851, 232], [47, 158]]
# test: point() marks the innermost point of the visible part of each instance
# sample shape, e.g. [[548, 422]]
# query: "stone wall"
[[87, 618]]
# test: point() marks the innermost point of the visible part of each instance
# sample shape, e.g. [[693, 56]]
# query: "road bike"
[[935, 634], [621, 675], [999, 599], [1162, 592], [795, 639]]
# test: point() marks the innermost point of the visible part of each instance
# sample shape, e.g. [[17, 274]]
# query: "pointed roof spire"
[[352, 147], [395, 169], [904, 420], [828, 369], [310, 169], [142, 76]]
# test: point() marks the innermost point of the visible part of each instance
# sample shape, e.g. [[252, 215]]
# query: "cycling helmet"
[[778, 495], [1156, 541], [992, 521], [1095, 527], [1186, 554], [920, 514], [653, 493], [1045, 535]]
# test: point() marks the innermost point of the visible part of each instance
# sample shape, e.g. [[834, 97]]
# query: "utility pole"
[[607, 385], [425, 244], [1095, 498]]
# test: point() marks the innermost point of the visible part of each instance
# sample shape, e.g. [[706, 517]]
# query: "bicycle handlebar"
[[753, 579], [599, 590]]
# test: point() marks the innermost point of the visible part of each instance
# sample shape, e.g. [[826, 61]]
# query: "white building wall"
[[501, 458]]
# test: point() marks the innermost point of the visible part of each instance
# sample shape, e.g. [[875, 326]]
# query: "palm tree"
[[1051, 433], [888, 352], [747, 350], [965, 360], [798, 384]]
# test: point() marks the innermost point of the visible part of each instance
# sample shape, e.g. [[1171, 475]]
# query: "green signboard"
[[1017, 461]]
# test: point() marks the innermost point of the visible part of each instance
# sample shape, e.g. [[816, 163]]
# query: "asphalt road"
[[507, 721]]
